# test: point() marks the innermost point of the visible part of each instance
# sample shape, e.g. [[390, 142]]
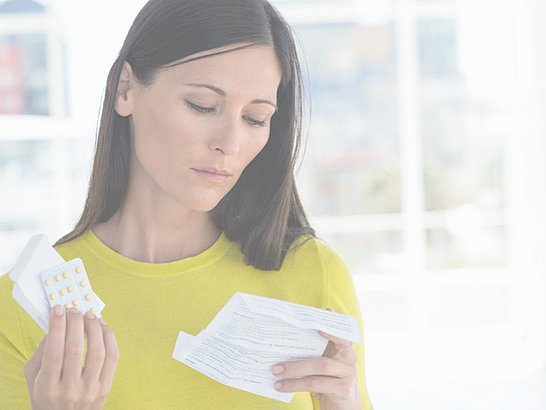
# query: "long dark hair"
[[262, 212]]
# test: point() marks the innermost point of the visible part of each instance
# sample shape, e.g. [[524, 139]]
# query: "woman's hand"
[[331, 378], [54, 374]]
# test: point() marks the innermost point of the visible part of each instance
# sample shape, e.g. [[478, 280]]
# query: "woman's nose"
[[227, 138]]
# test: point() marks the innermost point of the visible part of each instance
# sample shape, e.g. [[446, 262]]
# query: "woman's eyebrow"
[[223, 94]]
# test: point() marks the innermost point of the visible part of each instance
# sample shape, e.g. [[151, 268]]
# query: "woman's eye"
[[198, 108], [256, 123], [208, 110]]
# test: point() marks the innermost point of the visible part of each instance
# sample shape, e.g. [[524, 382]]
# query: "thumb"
[[330, 350], [32, 367]]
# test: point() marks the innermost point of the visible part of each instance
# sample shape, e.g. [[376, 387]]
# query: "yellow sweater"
[[147, 304]]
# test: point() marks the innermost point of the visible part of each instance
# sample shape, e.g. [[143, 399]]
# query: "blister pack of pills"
[[42, 279], [69, 285]]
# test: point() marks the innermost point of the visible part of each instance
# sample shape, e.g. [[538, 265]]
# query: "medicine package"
[[43, 279]]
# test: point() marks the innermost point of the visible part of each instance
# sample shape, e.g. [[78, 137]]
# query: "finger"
[[315, 366], [111, 358], [340, 343], [331, 386], [73, 354], [337, 340], [95, 349], [52, 360]]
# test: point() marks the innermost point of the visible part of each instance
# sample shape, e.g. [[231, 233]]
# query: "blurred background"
[[424, 167]]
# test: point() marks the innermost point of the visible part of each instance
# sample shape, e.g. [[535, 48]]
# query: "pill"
[[74, 294]]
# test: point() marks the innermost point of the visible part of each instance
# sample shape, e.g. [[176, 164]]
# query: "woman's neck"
[[145, 239]]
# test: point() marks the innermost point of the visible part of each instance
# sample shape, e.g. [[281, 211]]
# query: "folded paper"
[[252, 333]]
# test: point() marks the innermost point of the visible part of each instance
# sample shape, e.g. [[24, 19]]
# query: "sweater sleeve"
[[13, 388], [340, 295]]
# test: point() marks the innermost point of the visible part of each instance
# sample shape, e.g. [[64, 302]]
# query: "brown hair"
[[262, 212]]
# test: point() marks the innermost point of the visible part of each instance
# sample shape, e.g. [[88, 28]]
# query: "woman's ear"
[[123, 94]]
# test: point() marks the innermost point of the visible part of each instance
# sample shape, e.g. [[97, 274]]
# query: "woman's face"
[[208, 114]]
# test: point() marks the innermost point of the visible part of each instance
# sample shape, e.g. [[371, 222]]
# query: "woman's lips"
[[210, 176]]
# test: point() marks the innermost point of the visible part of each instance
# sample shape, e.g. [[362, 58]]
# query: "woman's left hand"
[[332, 378]]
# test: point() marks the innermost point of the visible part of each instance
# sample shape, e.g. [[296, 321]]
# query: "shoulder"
[[6, 299], [314, 249], [10, 326], [319, 255], [6, 285], [74, 247]]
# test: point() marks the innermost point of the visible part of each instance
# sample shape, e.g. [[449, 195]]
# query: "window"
[[23, 85], [416, 172], [423, 167]]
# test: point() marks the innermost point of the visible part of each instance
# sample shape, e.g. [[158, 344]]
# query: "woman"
[[192, 198]]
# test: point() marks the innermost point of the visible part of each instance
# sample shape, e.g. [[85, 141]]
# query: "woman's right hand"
[[54, 374]]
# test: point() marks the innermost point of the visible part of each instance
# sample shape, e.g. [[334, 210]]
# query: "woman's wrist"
[[352, 405]]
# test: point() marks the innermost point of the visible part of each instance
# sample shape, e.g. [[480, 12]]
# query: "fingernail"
[[58, 309], [74, 311], [277, 369], [90, 315], [278, 385]]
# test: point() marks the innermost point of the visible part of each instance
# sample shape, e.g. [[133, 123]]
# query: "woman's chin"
[[199, 200], [206, 206]]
